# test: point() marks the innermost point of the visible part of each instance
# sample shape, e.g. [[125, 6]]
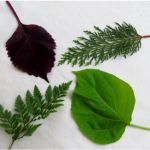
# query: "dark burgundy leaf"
[[31, 49]]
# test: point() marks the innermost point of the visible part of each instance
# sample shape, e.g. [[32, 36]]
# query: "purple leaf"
[[31, 48]]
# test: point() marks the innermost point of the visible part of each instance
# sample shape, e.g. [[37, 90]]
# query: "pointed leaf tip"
[[75, 72], [45, 77]]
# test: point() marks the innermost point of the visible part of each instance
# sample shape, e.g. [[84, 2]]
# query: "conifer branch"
[[22, 121], [101, 45]]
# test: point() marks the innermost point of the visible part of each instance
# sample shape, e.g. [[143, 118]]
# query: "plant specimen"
[[100, 45], [31, 48], [102, 106], [22, 121]]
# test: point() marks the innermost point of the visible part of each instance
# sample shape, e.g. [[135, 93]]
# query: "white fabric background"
[[65, 21]]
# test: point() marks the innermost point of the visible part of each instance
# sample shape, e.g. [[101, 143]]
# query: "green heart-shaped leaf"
[[102, 105]]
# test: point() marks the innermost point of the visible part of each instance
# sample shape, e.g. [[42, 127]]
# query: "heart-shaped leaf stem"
[[139, 127], [13, 11]]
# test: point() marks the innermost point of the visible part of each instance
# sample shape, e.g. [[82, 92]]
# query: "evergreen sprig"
[[22, 121], [101, 45]]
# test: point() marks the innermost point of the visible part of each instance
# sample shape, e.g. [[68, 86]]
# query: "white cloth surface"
[[65, 21]]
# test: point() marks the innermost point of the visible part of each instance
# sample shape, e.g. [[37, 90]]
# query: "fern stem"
[[146, 36], [20, 137], [140, 127], [12, 143]]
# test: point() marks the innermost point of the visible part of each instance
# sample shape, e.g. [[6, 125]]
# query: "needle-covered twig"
[[100, 45]]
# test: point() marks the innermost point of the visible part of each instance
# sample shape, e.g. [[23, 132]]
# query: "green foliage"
[[100, 45], [22, 122], [102, 105]]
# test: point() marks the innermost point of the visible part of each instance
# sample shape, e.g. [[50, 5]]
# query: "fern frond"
[[101, 45], [22, 121]]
